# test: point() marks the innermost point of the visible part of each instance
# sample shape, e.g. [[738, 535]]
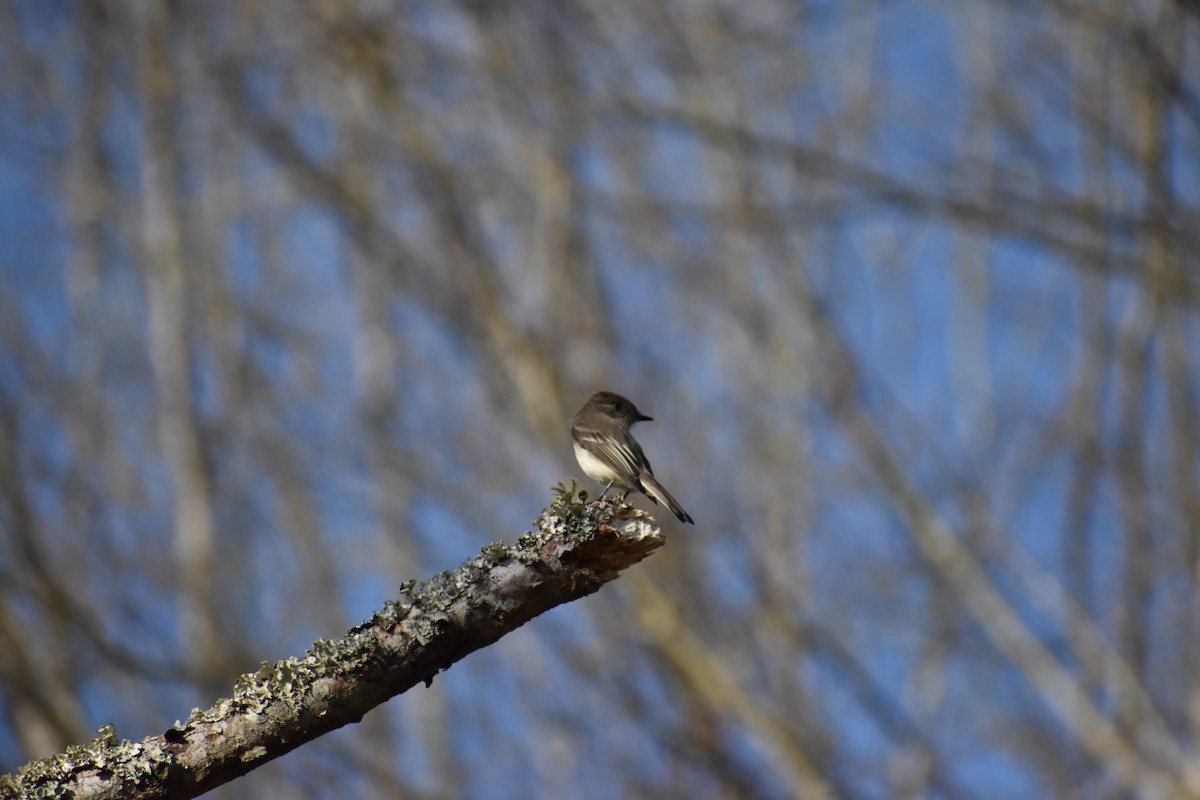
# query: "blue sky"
[[375, 427]]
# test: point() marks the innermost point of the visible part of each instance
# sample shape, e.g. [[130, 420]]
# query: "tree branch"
[[577, 548]]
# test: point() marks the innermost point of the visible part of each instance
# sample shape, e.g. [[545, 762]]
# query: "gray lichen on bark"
[[574, 549]]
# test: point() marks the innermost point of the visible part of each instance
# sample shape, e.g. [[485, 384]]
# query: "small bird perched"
[[608, 453]]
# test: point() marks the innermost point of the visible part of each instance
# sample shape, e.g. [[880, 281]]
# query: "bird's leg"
[[607, 486]]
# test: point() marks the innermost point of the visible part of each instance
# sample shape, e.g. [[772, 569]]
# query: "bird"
[[608, 453]]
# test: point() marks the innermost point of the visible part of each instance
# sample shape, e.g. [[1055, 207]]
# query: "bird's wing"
[[624, 454]]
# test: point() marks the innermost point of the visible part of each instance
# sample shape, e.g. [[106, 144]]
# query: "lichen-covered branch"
[[577, 548]]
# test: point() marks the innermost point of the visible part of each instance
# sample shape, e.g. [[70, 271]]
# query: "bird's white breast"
[[596, 469]]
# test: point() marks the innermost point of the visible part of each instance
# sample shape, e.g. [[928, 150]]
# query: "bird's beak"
[[643, 418]]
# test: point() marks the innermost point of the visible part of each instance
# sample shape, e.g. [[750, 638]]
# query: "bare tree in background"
[[297, 298]]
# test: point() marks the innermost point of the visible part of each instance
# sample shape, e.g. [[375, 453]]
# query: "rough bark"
[[577, 548]]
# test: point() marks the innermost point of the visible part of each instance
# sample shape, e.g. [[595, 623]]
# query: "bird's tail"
[[656, 492]]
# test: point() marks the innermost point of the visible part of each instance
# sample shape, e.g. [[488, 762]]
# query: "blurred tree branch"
[[433, 624], [706, 675], [1059, 222], [964, 573]]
